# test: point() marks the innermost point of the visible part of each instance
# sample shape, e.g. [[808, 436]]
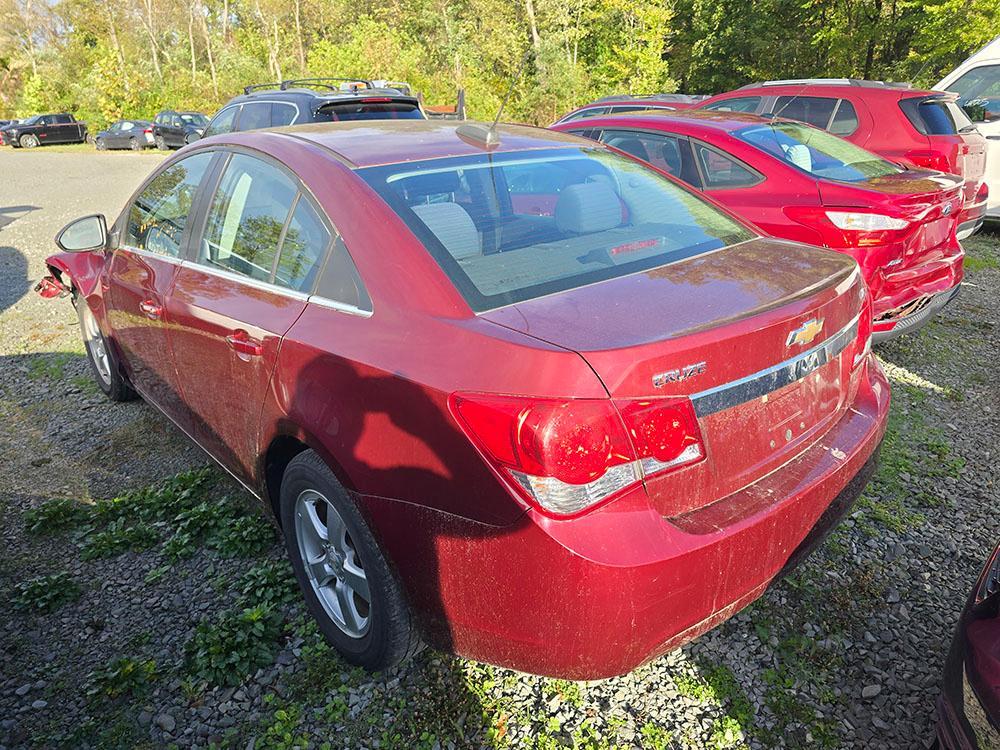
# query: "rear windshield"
[[936, 116], [511, 227], [817, 152], [342, 111]]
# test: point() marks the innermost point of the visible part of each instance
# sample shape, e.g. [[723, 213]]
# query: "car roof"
[[325, 96], [366, 143], [831, 87], [694, 120]]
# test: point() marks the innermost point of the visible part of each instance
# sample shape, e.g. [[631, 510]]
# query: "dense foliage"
[[102, 59]]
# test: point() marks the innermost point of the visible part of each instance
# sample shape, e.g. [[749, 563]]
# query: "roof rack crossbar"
[[323, 82], [254, 86]]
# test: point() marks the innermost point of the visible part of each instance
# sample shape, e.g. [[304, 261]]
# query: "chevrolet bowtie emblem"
[[805, 332]]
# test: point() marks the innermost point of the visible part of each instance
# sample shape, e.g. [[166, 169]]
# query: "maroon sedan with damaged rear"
[[509, 391]]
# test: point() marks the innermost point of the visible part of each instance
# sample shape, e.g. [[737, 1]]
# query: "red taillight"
[[929, 160], [148, 130], [566, 456], [376, 100], [818, 218]]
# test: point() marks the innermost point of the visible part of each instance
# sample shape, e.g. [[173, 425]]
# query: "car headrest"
[[453, 227], [671, 157], [588, 207], [435, 183], [799, 155], [630, 146]]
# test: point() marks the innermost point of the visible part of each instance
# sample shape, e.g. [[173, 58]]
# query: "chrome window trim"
[[340, 306], [767, 381], [265, 286], [176, 260]]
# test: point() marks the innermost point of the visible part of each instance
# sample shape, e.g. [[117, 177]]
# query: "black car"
[[302, 100], [42, 129], [175, 129], [133, 134], [969, 706]]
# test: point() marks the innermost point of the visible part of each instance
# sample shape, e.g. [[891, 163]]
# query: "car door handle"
[[241, 343], [150, 309]]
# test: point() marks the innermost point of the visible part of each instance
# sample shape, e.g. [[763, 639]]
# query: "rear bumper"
[[906, 299], [970, 219], [601, 594]]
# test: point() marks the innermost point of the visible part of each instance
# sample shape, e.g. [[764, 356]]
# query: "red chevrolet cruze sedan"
[[801, 183], [563, 441]]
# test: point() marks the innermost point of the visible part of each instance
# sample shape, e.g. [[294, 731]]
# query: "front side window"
[[223, 122], [736, 104], [157, 218], [589, 112], [817, 152], [511, 227], [979, 93]]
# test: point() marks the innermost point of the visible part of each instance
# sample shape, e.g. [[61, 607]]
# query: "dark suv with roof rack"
[[913, 127], [292, 102]]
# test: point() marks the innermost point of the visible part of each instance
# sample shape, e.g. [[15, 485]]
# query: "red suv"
[[909, 126], [797, 182], [562, 441]]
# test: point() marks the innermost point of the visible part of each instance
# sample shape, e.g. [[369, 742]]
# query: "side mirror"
[[88, 233]]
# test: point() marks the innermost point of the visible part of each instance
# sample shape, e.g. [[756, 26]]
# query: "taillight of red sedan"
[[492, 391]]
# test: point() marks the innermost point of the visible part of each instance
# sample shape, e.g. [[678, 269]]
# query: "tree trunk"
[[208, 49], [536, 40], [113, 32], [154, 48], [194, 60], [298, 36]]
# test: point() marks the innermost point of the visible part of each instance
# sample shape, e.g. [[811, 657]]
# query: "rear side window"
[[302, 248], [736, 104], [845, 119], [340, 281], [157, 218], [721, 171], [662, 151], [282, 114], [62, 119], [246, 218], [255, 115], [589, 112], [362, 110], [511, 227], [627, 108], [936, 116], [816, 110]]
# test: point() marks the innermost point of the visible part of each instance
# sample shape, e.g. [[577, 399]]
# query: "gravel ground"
[[847, 652]]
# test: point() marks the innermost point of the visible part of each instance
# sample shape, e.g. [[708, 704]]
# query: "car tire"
[[28, 140], [321, 523], [100, 145], [161, 144], [133, 143], [101, 356]]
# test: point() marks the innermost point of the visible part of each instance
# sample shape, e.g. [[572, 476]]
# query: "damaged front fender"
[[79, 271]]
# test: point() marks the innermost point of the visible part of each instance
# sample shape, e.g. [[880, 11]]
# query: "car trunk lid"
[[761, 336]]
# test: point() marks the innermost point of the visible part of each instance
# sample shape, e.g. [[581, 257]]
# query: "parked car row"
[[496, 382]]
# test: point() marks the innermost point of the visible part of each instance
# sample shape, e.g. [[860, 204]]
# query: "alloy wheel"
[[96, 346], [331, 563], [28, 141]]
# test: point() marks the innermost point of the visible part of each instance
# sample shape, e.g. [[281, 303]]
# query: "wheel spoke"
[[313, 525], [356, 579], [345, 598], [319, 570]]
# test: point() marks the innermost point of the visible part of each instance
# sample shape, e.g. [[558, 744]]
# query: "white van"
[[977, 82]]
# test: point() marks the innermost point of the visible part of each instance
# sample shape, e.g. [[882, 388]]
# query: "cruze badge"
[[678, 375], [805, 332]]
